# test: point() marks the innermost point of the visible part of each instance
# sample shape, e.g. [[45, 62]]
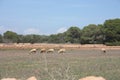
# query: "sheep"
[[9, 79], [103, 50], [32, 78], [43, 50], [92, 78], [61, 51], [32, 51], [50, 50]]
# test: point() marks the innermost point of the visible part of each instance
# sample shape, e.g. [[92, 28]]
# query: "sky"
[[54, 16]]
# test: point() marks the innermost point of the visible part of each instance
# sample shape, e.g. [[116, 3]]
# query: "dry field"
[[76, 63], [56, 46]]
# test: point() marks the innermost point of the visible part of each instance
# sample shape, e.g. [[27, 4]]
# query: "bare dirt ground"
[[56, 46]]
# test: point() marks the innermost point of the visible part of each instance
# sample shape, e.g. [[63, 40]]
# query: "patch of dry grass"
[[73, 65]]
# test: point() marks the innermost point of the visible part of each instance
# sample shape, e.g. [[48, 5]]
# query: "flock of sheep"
[[43, 50]]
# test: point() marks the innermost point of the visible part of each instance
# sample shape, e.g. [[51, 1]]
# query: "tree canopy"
[[92, 34], [112, 30], [106, 33], [73, 35], [10, 36]]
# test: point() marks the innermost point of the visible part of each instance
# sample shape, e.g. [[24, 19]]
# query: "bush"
[[113, 44]]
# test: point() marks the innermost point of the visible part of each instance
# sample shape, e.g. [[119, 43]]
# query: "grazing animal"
[[92, 78], [103, 50], [43, 50], [50, 50], [9, 79], [61, 51], [32, 78], [33, 51]]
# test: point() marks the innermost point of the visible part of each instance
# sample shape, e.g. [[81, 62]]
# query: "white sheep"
[[103, 50], [92, 78], [32, 51], [32, 78], [9, 79], [61, 51], [50, 50]]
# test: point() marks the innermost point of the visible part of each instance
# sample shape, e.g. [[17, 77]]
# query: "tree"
[[73, 35], [20, 38], [112, 30], [10, 36], [101, 34], [1, 39], [52, 38], [29, 39], [61, 37], [92, 34]]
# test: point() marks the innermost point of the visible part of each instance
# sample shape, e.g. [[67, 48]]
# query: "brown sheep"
[[43, 50]]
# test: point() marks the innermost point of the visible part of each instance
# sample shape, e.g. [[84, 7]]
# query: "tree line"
[[107, 33]]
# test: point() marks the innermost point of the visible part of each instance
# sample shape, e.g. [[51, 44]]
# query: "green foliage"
[[73, 35], [10, 36], [53, 38], [30, 38], [112, 30], [33, 38], [107, 33], [112, 43], [20, 39], [57, 38], [1, 39], [92, 34]]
